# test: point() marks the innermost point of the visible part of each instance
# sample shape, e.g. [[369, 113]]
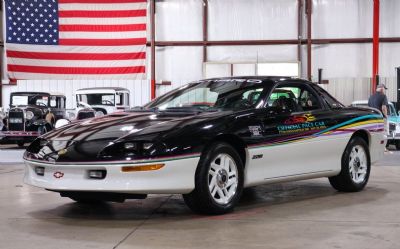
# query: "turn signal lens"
[[142, 168]]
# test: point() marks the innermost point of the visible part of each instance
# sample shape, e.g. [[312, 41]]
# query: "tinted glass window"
[[294, 99], [221, 94], [328, 99]]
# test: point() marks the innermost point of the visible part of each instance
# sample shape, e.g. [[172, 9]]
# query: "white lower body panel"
[[317, 157], [176, 177]]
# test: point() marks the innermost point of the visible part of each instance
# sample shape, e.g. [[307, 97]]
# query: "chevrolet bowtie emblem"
[[62, 152], [58, 174]]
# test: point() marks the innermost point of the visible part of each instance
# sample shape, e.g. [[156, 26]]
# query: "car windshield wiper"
[[190, 109], [143, 109]]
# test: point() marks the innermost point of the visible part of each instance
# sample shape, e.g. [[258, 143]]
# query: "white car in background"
[[393, 128], [104, 99]]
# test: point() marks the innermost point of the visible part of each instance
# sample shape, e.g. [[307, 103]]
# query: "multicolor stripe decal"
[[372, 123]]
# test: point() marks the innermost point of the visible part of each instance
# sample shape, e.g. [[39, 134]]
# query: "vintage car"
[[207, 141], [393, 126], [104, 99], [30, 115], [83, 112]]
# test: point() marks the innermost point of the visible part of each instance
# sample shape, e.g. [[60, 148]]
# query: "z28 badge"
[[255, 130]]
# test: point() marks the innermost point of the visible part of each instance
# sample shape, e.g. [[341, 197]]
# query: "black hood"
[[86, 139]]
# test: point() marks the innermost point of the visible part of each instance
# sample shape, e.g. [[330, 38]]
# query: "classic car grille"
[[392, 127], [16, 121]]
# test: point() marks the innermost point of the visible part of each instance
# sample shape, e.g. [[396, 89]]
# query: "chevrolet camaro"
[[207, 141]]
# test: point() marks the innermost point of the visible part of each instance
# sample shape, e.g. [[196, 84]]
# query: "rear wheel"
[[21, 144], [356, 167], [218, 181]]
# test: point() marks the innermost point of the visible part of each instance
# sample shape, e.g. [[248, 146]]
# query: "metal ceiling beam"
[[273, 42], [309, 41], [299, 28], [153, 49], [205, 29], [375, 46]]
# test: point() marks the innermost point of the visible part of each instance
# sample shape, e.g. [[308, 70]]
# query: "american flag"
[[75, 39]]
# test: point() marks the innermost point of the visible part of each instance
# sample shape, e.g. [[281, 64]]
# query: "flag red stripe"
[[102, 1], [76, 56], [103, 28], [102, 13], [76, 70], [102, 42]]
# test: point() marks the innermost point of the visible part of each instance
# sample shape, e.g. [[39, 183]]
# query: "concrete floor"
[[306, 214]]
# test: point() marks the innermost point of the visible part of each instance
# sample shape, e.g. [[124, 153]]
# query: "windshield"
[[97, 99], [24, 100], [212, 95]]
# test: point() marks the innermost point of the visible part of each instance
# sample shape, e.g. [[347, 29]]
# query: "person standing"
[[379, 101]]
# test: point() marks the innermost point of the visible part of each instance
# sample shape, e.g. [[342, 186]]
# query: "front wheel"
[[218, 181], [356, 167]]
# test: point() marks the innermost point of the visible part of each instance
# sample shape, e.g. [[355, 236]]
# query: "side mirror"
[[61, 123]]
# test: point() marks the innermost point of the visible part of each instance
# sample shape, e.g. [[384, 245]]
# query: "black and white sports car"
[[208, 140]]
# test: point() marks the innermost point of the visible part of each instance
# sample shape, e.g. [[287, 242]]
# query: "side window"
[[53, 101], [62, 102], [288, 99], [309, 101], [329, 100], [126, 96], [119, 98], [392, 111]]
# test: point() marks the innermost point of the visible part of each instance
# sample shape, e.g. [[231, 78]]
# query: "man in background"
[[379, 101]]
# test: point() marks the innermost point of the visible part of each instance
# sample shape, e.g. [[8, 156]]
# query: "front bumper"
[[15, 136], [176, 177]]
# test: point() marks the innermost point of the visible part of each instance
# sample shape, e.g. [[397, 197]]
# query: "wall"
[[343, 64]]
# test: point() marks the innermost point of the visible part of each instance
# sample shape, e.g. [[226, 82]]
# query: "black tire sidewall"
[[201, 181], [397, 143], [345, 164]]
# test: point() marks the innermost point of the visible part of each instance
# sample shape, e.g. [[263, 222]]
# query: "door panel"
[[295, 143]]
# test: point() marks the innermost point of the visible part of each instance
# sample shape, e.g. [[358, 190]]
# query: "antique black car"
[[30, 115], [208, 140]]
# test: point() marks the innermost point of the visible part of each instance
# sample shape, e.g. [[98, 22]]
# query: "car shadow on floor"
[[297, 198]]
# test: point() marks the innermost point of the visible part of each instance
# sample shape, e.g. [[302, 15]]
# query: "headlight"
[[147, 146], [29, 115], [130, 146], [133, 148]]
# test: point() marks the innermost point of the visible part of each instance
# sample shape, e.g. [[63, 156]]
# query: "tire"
[[218, 181], [356, 167], [397, 143], [21, 144]]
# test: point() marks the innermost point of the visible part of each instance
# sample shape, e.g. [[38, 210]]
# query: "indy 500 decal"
[[306, 122]]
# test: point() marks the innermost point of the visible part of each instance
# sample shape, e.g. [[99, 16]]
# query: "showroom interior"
[[200, 123]]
